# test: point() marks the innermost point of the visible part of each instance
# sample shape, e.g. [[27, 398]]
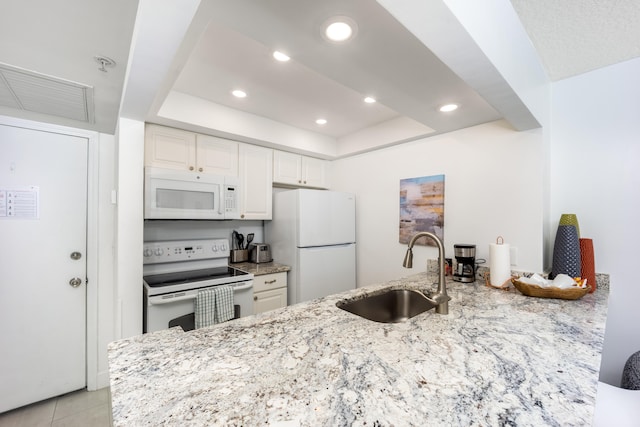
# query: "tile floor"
[[79, 408]]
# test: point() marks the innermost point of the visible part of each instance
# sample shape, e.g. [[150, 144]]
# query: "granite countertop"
[[262, 268], [497, 358]]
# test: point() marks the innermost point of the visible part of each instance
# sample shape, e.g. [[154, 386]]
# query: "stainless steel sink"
[[392, 306]]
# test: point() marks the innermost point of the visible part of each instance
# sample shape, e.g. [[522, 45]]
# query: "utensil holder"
[[239, 255]]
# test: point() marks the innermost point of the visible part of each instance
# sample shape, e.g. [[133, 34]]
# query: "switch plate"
[[513, 255]]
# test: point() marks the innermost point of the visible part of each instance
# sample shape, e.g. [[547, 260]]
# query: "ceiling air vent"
[[39, 93]]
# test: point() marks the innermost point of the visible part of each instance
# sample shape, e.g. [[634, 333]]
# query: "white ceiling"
[[58, 41], [576, 36], [228, 44], [324, 79]]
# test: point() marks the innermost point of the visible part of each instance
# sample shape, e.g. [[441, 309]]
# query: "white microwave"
[[174, 194]]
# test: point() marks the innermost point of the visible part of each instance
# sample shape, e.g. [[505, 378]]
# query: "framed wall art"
[[422, 208]]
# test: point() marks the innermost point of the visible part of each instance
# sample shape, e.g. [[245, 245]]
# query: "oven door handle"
[[249, 285], [160, 300]]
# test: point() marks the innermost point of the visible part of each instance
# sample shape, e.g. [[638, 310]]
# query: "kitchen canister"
[[587, 263], [566, 252], [499, 263]]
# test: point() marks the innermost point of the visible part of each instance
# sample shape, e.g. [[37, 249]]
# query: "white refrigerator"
[[314, 232]]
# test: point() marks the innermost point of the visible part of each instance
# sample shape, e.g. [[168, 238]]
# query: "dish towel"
[[224, 304], [213, 305]]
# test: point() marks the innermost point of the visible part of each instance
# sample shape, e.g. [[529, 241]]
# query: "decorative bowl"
[[550, 292]]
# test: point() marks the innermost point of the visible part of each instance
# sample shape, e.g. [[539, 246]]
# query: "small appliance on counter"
[[465, 270], [260, 253]]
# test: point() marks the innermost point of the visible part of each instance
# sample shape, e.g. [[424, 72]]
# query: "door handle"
[[75, 256], [75, 282]]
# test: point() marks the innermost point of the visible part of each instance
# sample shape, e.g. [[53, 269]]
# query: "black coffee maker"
[[465, 270]]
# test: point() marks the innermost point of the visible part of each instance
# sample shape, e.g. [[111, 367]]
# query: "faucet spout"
[[440, 297]]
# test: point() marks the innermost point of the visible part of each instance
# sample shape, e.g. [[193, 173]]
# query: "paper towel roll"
[[499, 263]]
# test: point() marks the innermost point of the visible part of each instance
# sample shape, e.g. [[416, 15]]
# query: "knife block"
[[239, 255]]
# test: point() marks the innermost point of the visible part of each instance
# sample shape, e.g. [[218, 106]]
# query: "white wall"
[[493, 186], [595, 153], [178, 230], [130, 177], [106, 241]]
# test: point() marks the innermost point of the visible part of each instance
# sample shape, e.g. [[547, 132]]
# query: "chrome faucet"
[[440, 298]]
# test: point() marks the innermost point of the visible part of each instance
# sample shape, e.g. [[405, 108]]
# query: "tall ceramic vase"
[[587, 263], [566, 252], [570, 219]]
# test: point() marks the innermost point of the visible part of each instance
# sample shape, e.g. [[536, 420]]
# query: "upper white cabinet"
[[314, 172], [299, 171], [256, 181], [216, 155], [183, 150], [169, 148]]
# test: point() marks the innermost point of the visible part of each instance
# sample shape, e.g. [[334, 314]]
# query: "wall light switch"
[[513, 255]]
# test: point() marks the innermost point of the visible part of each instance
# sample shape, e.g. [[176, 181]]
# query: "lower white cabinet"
[[269, 292]]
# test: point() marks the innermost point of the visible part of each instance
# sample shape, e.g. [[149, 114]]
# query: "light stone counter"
[[498, 358], [262, 268]]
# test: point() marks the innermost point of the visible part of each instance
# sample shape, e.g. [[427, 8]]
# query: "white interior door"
[[43, 211]]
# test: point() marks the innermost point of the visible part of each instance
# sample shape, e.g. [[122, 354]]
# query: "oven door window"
[[188, 321], [178, 313]]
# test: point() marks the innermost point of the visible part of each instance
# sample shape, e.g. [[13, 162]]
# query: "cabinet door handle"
[[190, 168], [255, 298], [268, 282], [199, 169]]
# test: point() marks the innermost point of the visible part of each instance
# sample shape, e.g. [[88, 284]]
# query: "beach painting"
[[422, 208]]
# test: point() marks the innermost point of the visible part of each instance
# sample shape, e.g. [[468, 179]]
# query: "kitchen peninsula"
[[497, 358]]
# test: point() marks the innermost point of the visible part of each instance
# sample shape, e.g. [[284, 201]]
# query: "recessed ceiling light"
[[280, 56], [239, 93], [369, 100], [447, 108], [321, 121], [340, 29]]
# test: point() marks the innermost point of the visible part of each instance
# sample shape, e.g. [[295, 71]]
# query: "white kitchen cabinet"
[[216, 156], [178, 149], [295, 170], [169, 148], [269, 292], [256, 181]]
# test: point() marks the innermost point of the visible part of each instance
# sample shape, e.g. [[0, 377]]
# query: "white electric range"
[[175, 271]]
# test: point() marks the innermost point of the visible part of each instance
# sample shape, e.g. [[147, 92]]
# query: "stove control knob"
[[147, 252], [158, 251], [214, 248], [223, 247]]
